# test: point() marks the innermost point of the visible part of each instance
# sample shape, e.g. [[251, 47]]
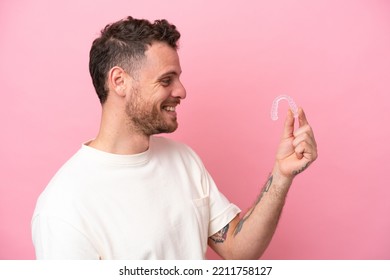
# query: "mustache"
[[173, 101]]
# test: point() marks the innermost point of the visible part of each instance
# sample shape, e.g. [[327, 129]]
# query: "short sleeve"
[[54, 239], [222, 211]]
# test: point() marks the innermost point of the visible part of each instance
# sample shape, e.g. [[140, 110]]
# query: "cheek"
[[148, 101], [134, 104], [156, 101], [144, 108]]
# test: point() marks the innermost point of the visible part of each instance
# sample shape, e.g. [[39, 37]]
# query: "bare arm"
[[248, 237]]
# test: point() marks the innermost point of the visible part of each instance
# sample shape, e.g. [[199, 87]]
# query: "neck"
[[116, 136]]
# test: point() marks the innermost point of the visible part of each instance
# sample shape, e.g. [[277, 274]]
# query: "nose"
[[179, 91]]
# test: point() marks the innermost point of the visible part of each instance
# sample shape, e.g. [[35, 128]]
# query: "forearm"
[[250, 235]]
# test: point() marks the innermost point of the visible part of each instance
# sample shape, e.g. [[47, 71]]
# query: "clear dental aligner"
[[275, 104]]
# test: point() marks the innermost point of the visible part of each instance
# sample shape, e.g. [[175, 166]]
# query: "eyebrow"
[[169, 73]]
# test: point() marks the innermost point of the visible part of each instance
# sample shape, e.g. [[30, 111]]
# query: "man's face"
[[157, 90]]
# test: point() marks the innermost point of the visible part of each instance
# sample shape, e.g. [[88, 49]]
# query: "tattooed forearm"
[[296, 172], [263, 191], [220, 236]]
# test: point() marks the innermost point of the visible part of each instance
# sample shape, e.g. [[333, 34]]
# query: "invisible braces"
[[275, 104]]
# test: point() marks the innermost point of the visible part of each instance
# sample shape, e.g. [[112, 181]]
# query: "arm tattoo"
[[264, 190], [296, 172], [220, 236]]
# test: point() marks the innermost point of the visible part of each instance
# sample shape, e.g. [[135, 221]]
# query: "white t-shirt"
[[160, 204]]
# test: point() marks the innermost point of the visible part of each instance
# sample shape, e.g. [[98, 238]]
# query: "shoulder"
[[72, 170], [65, 186]]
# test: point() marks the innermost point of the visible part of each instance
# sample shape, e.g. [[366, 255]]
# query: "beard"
[[146, 117]]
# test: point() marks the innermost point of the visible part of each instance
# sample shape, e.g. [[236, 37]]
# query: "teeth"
[[170, 108]]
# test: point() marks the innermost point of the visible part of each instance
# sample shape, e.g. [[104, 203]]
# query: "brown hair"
[[123, 44]]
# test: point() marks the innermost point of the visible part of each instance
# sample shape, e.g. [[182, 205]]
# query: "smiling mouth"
[[169, 108]]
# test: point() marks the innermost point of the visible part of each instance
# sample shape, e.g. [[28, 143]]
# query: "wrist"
[[280, 178]]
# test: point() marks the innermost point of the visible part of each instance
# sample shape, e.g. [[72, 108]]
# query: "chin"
[[164, 129], [169, 130]]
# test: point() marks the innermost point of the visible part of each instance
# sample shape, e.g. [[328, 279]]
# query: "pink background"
[[331, 56]]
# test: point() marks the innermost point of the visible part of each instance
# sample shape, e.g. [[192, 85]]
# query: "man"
[[128, 194]]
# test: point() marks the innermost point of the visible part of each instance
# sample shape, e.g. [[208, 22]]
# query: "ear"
[[117, 80]]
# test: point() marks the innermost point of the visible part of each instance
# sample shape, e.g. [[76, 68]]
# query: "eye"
[[166, 81]]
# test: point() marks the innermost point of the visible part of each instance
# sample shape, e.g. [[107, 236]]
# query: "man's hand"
[[297, 149], [247, 237]]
